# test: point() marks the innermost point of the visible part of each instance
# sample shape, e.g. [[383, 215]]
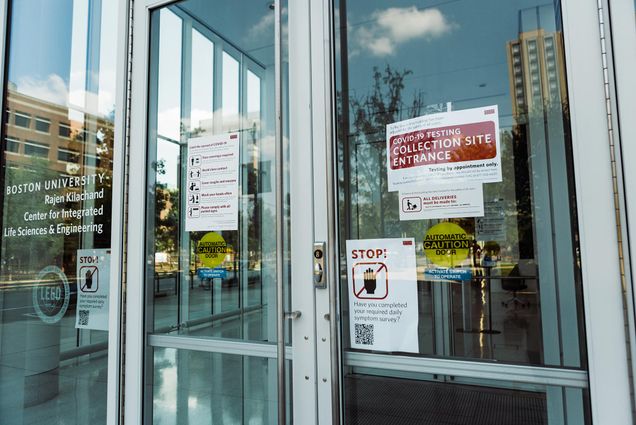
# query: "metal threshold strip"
[[218, 345], [570, 378]]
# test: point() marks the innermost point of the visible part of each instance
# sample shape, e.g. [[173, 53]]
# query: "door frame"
[[619, 15], [603, 305], [316, 380], [136, 340]]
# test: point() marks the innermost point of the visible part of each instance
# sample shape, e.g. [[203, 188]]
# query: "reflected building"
[[536, 63], [52, 141], [538, 93], [71, 143]]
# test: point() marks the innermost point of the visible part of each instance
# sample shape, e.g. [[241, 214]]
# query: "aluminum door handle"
[[317, 273], [293, 315]]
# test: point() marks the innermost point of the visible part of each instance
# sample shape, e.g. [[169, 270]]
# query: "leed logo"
[[51, 294]]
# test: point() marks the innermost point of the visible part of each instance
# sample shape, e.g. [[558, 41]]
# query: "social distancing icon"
[[370, 280], [195, 173]]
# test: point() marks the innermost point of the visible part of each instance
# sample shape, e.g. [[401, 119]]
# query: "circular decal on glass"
[[446, 244], [212, 249], [51, 294]]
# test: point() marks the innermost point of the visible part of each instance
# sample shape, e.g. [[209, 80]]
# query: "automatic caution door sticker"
[[212, 250], [447, 244], [383, 305]]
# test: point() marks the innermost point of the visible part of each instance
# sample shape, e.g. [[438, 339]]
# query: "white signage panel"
[[492, 226], [93, 283], [383, 305], [212, 183], [444, 148], [443, 202]]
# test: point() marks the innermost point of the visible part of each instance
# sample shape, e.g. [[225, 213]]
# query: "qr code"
[[83, 317], [364, 334]]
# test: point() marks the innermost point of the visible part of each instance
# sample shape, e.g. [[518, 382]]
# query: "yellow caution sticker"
[[212, 249], [446, 244]]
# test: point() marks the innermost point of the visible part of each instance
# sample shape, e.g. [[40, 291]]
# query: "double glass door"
[[355, 212]]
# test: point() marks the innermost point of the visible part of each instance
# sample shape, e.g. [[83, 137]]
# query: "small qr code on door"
[[364, 334], [83, 317]]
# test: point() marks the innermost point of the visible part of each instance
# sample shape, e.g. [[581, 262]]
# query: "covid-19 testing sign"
[[383, 312], [444, 148]]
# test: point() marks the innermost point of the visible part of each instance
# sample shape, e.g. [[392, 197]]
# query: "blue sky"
[[40, 39], [456, 49]]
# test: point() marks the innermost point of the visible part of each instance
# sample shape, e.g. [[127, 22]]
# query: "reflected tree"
[[374, 208]]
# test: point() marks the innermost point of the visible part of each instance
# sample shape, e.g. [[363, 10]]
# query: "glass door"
[[460, 276], [214, 264]]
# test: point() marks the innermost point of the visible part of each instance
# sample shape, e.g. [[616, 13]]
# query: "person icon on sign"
[[409, 205]]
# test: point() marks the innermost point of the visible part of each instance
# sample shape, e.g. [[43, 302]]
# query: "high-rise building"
[[536, 63]]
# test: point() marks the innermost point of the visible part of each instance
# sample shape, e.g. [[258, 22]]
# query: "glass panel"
[[196, 387], [64, 130], [201, 108], [13, 145], [22, 119], [42, 124], [32, 148], [513, 293], [56, 212], [211, 216], [230, 91]]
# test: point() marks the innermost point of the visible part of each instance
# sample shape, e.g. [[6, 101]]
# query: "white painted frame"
[[305, 378], [602, 292], [136, 226], [621, 18], [603, 303], [113, 400]]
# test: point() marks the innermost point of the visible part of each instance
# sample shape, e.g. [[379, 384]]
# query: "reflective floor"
[[81, 398], [208, 388]]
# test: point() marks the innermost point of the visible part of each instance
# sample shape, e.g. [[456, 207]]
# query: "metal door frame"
[[136, 340], [603, 304]]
